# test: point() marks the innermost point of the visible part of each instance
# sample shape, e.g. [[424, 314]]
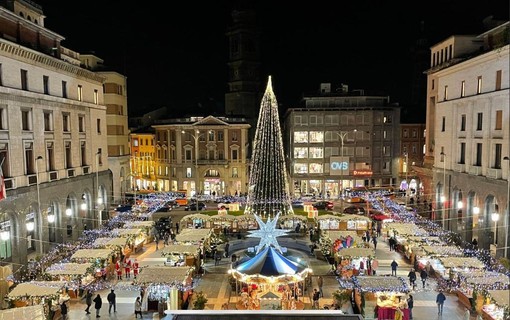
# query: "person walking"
[[138, 308], [63, 309], [227, 247], [88, 301], [423, 275], [111, 300], [412, 278], [394, 266], [320, 282], [440, 299], [410, 305], [316, 297], [375, 266], [374, 240], [98, 303], [135, 268]]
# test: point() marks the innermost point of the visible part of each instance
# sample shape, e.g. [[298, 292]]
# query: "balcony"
[[475, 170]]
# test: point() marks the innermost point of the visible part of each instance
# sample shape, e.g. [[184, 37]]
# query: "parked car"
[[323, 205], [123, 208], [193, 206], [354, 210], [298, 203]]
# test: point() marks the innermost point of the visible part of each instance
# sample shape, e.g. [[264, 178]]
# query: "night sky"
[[177, 56]]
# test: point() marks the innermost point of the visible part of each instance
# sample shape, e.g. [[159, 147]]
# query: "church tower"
[[243, 91]]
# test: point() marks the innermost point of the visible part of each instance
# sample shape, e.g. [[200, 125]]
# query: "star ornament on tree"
[[267, 233]]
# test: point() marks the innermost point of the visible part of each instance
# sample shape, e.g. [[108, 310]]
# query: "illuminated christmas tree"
[[268, 191]]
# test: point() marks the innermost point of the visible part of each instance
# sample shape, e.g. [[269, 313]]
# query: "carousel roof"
[[269, 262]]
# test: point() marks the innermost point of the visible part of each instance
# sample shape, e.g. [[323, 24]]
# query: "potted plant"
[[341, 297], [200, 301]]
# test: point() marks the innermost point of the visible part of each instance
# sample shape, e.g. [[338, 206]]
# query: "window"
[[433, 84], [99, 156], [50, 155], [188, 172], [498, 80], [463, 122], [24, 80], [331, 119], [187, 155], [443, 124], [221, 156], [66, 122], [462, 159], [64, 89], [96, 96], [46, 84], [300, 153], [479, 85], [26, 120], [315, 168], [98, 123], [235, 173], [4, 159], [316, 137], [498, 150], [234, 155], [300, 168], [3, 118], [234, 135], [48, 120], [479, 121], [29, 158], [478, 154], [67, 155], [83, 153], [211, 135], [135, 142], [415, 133], [445, 93], [387, 119], [81, 123], [406, 134], [80, 93], [316, 153], [463, 89], [300, 137], [499, 120], [220, 136], [1, 83]]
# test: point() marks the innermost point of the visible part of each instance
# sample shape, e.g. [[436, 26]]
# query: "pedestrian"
[[316, 297], [135, 268], [394, 266], [63, 309], [374, 240], [320, 282], [98, 302], [474, 243], [127, 268], [392, 243], [111, 300], [375, 266], [423, 275], [227, 247], [410, 305], [177, 227], [412, 278], [118, 269], [88, 301], [440, 298], [138, 308]]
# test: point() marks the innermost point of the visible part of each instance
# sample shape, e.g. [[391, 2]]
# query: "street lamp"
[[39, 227], [196, 136], [443, 197], [342, 135], [507, 220]]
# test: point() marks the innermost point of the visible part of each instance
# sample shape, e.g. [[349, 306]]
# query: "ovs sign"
[[338, 165]]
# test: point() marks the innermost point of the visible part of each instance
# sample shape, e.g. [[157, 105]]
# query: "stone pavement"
[[214, 283]]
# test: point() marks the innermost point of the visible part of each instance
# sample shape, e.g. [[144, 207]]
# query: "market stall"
[[193, 236], [135, 237], [497, 306], [447, 267], [179, 255], [411, 245], [48, 294], [471, 286], [328, 222], [354, 261], [196, 221], [162, 284], [101, 260], [30, 312], [291, 221], [354, 222], [223, 223], [380, 296], [247, 222], [77, 276]]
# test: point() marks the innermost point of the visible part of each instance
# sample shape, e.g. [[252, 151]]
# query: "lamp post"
[[342, 135], [39, 227], [443, 196], [196, 136], [407, 172], [99, 200], [507, 219]]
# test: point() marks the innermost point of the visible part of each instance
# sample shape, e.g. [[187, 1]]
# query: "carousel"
[[269, 276]]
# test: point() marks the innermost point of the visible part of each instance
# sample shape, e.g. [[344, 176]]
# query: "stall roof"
[[68, 268], [488, 278], [406, 229], [180, 248], [194, 216], [336, 234], [447, 251], [466, 262], [126, 232], [138, 224], [346, 217], [501, 297], [380, 283], [193, 235], [92, 254], [105, 242], [29, 312], [357, 252], [328, 217], [36, 289], [220, 217], [163, 275]]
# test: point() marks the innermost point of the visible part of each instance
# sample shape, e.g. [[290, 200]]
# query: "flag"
[[2, 184]]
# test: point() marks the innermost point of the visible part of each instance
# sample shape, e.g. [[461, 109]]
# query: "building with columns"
[[468, 136], [202, 155]]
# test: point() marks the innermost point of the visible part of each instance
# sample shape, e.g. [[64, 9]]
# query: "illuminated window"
[[316, 137], [316, 168], [300, 153], [316, 153], [300, 137], [300, 168]]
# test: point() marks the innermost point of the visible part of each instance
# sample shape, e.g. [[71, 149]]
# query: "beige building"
[[204, 155], [143, 162], [53, 137], [468, 136], [412, 144]]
